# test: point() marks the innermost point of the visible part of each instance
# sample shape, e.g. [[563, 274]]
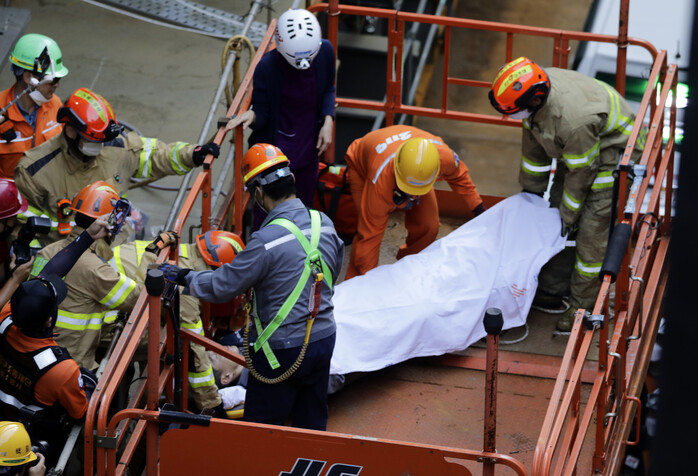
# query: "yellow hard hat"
[[15, 445], [416, 166]]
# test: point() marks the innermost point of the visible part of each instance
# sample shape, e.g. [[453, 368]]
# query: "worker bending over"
[[291, 264], [31, 120], [395, 168], [584, 124], [92, 148], [210, 251]]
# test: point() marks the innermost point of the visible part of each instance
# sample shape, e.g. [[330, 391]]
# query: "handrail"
[[558, 428], [617, 360], [97, 413]]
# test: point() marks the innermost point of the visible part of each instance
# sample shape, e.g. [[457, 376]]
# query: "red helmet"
[[218, 247], [95, 200], [11, 201], [259, 158], [516, 84], [91, 115]]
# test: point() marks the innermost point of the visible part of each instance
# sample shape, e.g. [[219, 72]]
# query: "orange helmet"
[[516, 84], [219, 247], [11, 201], [259, 158], [91, 115], [95, 200]]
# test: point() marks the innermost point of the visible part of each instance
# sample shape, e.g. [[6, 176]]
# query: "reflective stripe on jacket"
[[49, 173], [26, 136], [580, 121]]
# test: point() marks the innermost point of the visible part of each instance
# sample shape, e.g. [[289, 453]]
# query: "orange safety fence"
[[116, 438], [639, 288]]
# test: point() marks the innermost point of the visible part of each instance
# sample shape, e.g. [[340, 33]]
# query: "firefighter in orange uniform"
[[32, 119], [395, 168]]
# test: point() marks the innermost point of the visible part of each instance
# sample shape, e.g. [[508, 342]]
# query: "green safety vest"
[[313, 257]]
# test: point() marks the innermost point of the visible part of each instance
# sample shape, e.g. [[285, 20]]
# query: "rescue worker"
[[210, 251], [93, 148], [395, 168], [292, 279], [16, 454], [34, 370], [96, 291], [584, 124], [30, 121]]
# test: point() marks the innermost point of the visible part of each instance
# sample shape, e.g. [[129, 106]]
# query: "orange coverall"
[[372, 182], [27, 137]]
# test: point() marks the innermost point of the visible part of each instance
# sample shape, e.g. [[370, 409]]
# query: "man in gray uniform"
[[291, 264]]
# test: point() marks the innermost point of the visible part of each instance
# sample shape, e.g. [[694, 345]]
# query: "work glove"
[[232, 396], [479, 209], [174, 273], [163, 240], [201, 151], [568, 230]]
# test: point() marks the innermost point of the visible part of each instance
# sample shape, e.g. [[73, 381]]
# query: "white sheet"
[[433, 303]]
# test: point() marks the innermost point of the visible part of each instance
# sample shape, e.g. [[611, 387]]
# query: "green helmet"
[[30, 46]]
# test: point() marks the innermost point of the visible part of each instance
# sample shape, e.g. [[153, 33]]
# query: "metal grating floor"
[[187, 14]]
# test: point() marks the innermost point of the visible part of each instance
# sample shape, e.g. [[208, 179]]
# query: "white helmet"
[[298, 37]]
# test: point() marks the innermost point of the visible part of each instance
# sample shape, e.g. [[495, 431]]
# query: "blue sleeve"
[[65, 259], [231, 279], [326, 76]]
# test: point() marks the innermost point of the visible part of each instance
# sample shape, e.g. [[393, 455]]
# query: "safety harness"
[[313, 265], [19, 371]]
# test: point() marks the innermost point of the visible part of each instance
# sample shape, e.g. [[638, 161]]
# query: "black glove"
[[174, 273], [163, 240], [201, 151], [568, 231], [479, 209], [540, 194]]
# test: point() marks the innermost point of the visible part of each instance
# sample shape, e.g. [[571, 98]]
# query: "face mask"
[[522, 114], [38, 98], [90, 149]]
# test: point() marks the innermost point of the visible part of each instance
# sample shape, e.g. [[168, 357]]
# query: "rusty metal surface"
[[421, 402]]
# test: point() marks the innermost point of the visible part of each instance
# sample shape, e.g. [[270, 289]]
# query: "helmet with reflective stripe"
[[95, 200], [218, 247], [298, 37], [258, 159], [29, 48], [91, 115], [416, 166], [516, 84], [15, 445], [11, 201]]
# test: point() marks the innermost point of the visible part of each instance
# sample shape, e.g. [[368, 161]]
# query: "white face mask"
[[522, 114], [91, 149], [38, 98]]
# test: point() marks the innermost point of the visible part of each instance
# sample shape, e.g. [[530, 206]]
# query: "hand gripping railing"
[[640, 278], [107, 438]]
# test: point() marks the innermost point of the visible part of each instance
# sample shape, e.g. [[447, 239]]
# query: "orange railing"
[[640, 284], [119, 435], [108, 436]]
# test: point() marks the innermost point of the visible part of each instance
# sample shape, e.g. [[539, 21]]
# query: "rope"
[[516, 341], [235, 44], [290, 371]]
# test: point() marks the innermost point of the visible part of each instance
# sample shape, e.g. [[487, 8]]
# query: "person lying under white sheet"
[[433, 302]]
